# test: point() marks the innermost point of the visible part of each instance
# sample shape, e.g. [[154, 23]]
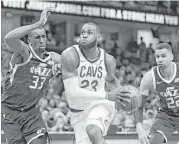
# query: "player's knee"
[[157, 138], [93, 131]]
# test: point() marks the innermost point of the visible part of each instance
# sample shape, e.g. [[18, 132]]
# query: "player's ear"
[[99, 38]]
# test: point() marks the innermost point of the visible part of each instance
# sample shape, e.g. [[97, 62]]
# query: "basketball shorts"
[[165, 124], [22, 127], [99, 113]]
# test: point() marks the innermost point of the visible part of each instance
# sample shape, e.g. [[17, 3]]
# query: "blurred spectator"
[[59, 36], [143, 51], [148, 122]]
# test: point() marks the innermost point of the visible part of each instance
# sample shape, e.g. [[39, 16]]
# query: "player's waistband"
[[75, 110], [23, 109]]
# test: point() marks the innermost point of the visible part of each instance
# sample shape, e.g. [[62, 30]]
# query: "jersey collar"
[[172, 78]]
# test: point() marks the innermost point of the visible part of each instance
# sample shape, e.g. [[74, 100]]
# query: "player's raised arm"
[[12, 39], [70, 63], [113, 84], [145, 87]]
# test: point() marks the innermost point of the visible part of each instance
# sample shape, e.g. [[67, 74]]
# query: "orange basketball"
[[135, 100]]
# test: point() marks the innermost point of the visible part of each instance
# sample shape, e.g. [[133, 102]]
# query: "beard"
[[87, 45]]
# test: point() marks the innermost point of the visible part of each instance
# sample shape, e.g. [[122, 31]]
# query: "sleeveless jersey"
[[91, 74], [168, 90], [26, 82]]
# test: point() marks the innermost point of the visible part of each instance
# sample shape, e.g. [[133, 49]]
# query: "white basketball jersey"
[[91, 73]]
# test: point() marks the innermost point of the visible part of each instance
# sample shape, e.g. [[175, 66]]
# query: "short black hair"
[[164, 46], [95, 24]]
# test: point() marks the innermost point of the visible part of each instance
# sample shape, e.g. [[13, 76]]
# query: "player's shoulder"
[[110, 59], [70, 51], [148, 78], [55, 56], [148, 74], [70, 56]]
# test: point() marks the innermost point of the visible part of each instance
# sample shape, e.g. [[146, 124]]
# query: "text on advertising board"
[[94, 11]]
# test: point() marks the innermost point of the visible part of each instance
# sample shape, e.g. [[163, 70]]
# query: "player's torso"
[[168, 90], [27, 81], [92, 74]]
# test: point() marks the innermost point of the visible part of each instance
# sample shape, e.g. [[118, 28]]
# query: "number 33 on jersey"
[[92, 73], [40, 74]]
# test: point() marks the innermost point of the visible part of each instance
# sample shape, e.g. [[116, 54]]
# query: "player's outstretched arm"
[[113, 84], [145, 87], [12, 39], [70, 62]]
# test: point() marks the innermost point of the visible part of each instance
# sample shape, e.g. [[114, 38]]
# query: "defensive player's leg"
[[10, 127], [97, 124], [176, 123], [34, 128], [162, 128]]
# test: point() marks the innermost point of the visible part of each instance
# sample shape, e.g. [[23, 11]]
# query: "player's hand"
[[143, 136], [120, 96], [44, 15], [123, 97]]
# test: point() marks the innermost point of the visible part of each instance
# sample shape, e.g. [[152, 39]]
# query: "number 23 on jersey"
[[86, 84]]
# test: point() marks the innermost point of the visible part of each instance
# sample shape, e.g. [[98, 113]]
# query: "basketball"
[[135, 100]]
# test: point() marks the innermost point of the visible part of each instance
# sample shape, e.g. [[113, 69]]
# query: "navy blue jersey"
[[168, 90], [27, 81]]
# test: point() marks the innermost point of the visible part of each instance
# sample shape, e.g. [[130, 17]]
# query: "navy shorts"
[[21, 127], [165, 124]]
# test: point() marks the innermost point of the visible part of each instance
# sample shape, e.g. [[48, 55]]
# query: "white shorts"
[[99, 113]]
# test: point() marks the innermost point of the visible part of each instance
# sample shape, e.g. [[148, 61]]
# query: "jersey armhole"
[[77, 56], [25, 62], [153, 77], [105, 61]]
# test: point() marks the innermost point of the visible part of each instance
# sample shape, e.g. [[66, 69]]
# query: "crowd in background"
[[132, 63]]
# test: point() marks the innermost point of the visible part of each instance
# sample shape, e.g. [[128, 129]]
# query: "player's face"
[[163, 58], [88, 36], [38, 40]]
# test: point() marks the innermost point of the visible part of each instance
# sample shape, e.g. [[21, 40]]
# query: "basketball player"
[[85, 70], [31, 69], [164, 78]]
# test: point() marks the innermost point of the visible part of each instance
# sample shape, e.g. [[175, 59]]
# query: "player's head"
[[163, 55], [89, 36], [37, 39]]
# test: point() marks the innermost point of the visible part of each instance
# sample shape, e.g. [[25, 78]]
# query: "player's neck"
[[39, 54], [168, 72], [91, 53]]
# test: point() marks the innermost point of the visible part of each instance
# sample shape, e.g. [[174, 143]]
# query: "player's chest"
[[96, 70], [39, 69], [168, 90]]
